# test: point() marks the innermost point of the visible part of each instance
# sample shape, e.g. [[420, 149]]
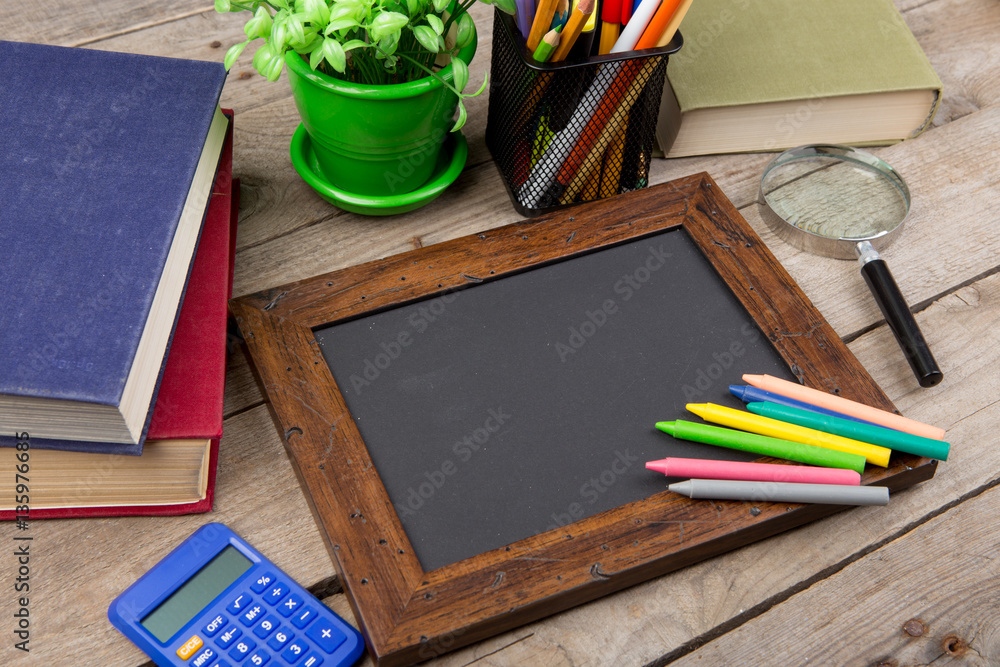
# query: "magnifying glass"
[[845, 203]]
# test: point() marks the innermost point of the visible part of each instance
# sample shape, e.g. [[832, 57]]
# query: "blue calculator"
[[214, 601]]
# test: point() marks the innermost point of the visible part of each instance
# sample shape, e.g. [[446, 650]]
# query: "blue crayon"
[[749, 394]]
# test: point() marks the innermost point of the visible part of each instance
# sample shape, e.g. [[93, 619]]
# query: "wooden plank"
[[69, 23], [918, 600]]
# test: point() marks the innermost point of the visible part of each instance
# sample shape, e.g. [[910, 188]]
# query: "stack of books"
[[118, 219]]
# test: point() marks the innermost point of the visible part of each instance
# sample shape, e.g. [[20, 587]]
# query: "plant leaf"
[[341, 24], [315, 11], [460, 72], [259, 25], [462, 115], [354, 44], [466, 31], [387, 23], [441, 5], [427, 38], [506, 6], [334, 54], [233, 53], [436, 23], [296, 31], [222, 6]]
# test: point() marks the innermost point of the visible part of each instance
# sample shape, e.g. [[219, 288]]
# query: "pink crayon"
[[753, 472]]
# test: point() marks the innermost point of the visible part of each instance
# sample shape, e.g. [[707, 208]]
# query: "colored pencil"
[[525, 10], [561, 16], [658, 24], [613, 158], [547, 45], [540, 26], [573, 28]]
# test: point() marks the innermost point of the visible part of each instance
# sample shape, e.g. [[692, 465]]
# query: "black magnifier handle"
[[898, 316]]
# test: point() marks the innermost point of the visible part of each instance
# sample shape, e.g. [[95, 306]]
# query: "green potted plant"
[[377, 84]]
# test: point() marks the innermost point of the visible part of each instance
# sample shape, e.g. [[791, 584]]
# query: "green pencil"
[[547, 45], [876, 435], [762, 444]]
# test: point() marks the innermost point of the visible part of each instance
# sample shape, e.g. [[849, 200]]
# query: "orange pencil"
[[675, 21], [651, 35], [543, 19], [574, 26]]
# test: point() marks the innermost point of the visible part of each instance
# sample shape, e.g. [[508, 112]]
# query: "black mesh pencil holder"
[[570, 132]]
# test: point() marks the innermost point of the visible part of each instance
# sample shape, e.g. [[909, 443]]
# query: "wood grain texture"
[[405, 611], [288, 233]]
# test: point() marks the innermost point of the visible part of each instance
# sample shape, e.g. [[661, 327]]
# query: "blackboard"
[[515, 406], [484, 322]]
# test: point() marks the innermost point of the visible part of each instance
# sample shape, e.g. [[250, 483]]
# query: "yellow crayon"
[[746, 421]]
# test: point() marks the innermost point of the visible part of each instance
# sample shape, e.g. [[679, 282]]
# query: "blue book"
[[107, 162]]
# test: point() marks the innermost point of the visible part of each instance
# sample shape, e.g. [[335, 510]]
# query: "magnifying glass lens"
[[835, 198]]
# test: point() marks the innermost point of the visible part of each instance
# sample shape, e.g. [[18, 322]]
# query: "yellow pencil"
[[613, 159], [543, 19], [747, 421], [574, 26]]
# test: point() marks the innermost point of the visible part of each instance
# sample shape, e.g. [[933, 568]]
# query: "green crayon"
[[763, 445], [876, 435]]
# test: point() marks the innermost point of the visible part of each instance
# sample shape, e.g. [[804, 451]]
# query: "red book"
[[182, 447]]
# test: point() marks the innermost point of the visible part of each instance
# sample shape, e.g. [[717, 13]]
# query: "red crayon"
[[753, 472]]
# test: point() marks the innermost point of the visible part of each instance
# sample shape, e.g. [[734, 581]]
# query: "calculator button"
[[204, 658], [326, 636], [304, 617], [294, 651], [280, 638], [242, 648], [229, 636], [190, 647], [222, 663], [312, 660], [267, 626], [215, 625], [275, 595], [252, 615], [290, 605], [259, 658], [262, 582], [238, 605]]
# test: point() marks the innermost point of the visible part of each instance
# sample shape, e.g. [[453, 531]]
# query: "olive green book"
[[766, 75]]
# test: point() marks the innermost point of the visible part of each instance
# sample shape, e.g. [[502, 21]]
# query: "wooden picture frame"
[[408, 615]]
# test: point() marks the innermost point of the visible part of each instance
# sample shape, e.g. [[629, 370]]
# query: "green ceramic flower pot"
[[376, 140]]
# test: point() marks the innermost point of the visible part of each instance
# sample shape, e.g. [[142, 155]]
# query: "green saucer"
[[450, 163]]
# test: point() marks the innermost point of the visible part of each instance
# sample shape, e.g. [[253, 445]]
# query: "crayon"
[[746, 421], [877, 435], [751, 394], [651, 35], [843, 405], [762, 444], [777, 492], [752, 472]]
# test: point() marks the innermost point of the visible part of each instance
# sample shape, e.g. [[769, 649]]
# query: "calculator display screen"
[[187, 601]]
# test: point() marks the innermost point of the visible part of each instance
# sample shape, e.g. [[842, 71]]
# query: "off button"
[[190, 647]]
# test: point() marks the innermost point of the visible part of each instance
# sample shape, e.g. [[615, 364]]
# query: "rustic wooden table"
[[914, 583]]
